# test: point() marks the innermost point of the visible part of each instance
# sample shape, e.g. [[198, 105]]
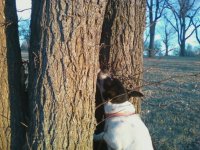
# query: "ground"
[[171, 108]]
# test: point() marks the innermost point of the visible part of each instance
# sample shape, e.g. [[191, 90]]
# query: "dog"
[[123, 130]]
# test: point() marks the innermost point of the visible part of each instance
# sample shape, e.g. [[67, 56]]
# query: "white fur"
[[124, 132], [103, 75]]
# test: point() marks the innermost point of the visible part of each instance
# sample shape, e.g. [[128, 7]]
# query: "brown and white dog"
[[123, 130]]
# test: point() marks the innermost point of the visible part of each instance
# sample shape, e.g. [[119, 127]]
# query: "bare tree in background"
[[24, 30], [154, 10], [184, 11], [167, 33], [197, 34], [196, 24], [12, 134], [24, 34]]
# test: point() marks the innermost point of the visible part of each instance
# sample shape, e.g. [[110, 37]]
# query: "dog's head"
[[113, 90]]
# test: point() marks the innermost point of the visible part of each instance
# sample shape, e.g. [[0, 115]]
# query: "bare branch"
[[24, 10], [161, 11], [191, 17], [147, 4], [192, 32]]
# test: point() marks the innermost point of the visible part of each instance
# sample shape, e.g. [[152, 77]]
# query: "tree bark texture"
[[122, 42], [11, 130], [64, 48]]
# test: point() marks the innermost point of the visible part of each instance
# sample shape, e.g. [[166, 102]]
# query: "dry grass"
[[171, 109]]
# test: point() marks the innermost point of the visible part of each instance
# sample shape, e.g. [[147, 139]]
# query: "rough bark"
[[122, 49], [122, 41], [11, 129], [64, 47]]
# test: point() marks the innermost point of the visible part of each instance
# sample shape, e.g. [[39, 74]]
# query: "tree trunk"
[[11, 129], [152, 27], [183, 37], [151, 39], [166, 50], [64, 47], [122, 49], [182, 48], [166, 43], [122, 41]]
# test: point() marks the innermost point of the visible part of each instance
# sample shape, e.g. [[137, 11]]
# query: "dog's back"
[[125, 132]]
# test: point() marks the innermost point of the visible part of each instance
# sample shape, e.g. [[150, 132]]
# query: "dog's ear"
[[132, 93]]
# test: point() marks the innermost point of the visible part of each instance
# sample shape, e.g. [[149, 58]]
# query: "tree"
[[197, 33], [155, 11], [24, 46], [184, 11], [196, 24], [122, 41], [196, 50], [167, 34], [24, 31], [189, 50], [192, 51], [64, 48], [12, 134], [24, 34], [158, 48], [122, 48]]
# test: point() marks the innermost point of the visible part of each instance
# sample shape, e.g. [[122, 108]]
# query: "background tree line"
[[171, 23], [175, 21]]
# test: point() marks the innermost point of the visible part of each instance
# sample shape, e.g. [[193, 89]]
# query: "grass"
[[171, 108]]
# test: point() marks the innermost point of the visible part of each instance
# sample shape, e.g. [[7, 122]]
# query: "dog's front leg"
[[98, 137]]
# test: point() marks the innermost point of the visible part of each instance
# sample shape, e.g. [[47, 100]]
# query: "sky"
[[26, 4], [21, 5], [192, 40]]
